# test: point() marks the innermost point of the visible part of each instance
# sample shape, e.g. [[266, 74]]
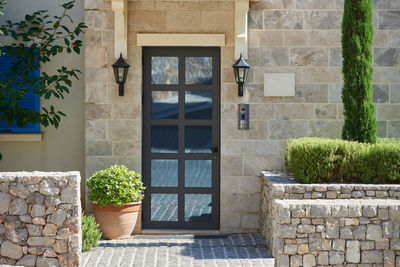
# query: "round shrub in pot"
[[116, 194]]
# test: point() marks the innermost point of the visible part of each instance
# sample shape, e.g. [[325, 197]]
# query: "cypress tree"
[[357, 94]]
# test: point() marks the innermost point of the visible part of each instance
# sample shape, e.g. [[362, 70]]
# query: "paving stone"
[[183, 250]]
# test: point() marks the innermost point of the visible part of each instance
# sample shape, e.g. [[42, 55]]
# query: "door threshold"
[[178, 232]]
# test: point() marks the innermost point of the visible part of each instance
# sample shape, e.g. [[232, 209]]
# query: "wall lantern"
[[241, 69], [120, 72]]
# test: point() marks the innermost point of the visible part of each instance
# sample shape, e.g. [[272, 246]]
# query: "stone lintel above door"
[[172, 39]]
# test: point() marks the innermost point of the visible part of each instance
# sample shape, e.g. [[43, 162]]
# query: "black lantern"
[[120, 72], [241, 69]]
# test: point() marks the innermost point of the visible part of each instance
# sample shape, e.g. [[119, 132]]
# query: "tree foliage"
[[37, 40], [357, 95]]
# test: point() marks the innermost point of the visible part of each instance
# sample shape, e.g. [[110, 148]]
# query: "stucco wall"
[[61, 149]]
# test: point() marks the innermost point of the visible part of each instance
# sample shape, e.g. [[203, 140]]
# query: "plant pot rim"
[[127, 207]]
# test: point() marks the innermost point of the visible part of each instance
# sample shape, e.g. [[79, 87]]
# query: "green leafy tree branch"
[[37, 40]]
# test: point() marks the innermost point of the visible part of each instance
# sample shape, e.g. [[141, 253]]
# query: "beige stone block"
[[141, 5], [324, 38], [325, 128], [282, 147], [309, 93], [231, 166], [323, 20], [132, 163], [154, 20], [231, 221], [228, 111], [227, 75], [272, 4], [183, 21], [295, 111], [227, 56], [254, 165], [96, 93], [229, 184], [233, 202], [294, 38], [309, 56], [258, 130], [98, 148], [92, 38], [249, 185], [251, 221], [229, 130], [326, 111], [107, 39], [271, 38], [253, 38], [229, 93], [388, 112], [381, 38], [254, 93], [250, 147], [97, 4], [230, 38], [322, 75], [97, 111], [217, 21], [126, 148], [96, 75], [124, 129], [126, 111], [262, 111], [99, 19], [386, 75], [132, 93], [95, 129], [94, 164]]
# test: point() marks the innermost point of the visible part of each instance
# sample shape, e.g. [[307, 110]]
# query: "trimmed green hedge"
[[318, 160]]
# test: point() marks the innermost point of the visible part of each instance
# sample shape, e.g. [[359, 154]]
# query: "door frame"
[[147, 53]]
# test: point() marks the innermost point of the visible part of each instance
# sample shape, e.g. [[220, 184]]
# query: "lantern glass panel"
[[236, 72], [120, 74], [125, 73]]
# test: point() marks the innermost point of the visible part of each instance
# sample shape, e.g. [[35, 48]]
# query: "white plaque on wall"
[[279, 84]]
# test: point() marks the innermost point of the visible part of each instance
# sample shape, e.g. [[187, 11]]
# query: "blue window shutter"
[[31, 101]]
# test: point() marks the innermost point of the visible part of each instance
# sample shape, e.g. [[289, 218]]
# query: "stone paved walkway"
[[180, 250]]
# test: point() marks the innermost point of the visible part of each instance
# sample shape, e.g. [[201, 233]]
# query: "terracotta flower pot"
[[117, 222]]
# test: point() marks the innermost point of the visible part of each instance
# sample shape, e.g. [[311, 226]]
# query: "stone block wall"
[[40, 218], [114, 124], [358, 230], [300, 36]]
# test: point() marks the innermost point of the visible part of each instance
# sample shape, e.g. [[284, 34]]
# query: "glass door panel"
[[181, 131]]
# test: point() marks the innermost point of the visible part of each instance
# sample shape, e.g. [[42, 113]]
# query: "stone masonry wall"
[[114, 124], [40, 218], [304, 37], [357, 230], [301, 36]]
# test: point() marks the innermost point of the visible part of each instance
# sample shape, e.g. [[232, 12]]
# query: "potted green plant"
[[116, 194]]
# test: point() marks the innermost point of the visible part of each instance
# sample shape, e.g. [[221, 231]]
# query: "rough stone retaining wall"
[[304, 225], [40, 218]]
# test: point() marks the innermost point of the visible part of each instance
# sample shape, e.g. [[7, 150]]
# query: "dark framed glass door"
[[181, 137]]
